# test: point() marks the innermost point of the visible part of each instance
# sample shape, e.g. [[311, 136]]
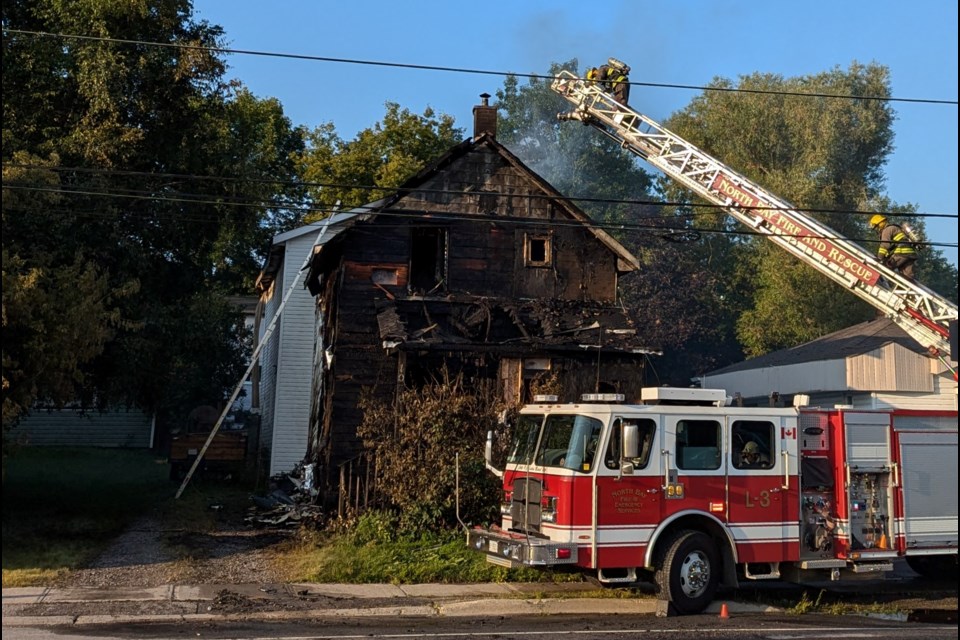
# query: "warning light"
[[563, 554]]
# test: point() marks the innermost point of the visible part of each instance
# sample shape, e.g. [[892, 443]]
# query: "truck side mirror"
[[488, 456], [631, 441], [630, 437]]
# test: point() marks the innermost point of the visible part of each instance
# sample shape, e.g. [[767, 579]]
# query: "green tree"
[[163, 184], [384, 155], [817, 152]]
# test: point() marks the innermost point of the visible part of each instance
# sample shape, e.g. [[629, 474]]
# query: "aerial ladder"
[[921, 313]]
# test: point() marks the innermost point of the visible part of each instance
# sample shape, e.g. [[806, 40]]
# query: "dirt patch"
[[149, 554]]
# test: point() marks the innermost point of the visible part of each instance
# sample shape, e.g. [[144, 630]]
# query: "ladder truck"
[[920, 312], [693, 493]]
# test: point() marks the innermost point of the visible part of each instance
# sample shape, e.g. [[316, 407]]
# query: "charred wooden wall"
[[483, 256]]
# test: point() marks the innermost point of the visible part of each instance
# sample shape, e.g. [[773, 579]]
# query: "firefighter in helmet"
[[752, 457], [896, 249]]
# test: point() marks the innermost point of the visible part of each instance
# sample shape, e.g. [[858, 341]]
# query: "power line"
[[425, 67], [451, 216], [385, 189]]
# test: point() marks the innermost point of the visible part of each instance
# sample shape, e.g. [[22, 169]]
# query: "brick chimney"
[[484, 117]]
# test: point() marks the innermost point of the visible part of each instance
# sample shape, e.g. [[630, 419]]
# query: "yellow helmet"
[[877, 219], [751, 447]]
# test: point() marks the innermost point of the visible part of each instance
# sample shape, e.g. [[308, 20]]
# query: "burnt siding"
[[483, 258]]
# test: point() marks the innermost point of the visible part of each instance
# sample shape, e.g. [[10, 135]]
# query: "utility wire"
[[363, 187], [458, 216], [425, 67]]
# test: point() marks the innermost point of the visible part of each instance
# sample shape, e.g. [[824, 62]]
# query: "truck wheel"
[[687, 571], [934, 567]]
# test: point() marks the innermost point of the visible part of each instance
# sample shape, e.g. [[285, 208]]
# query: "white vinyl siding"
[[286, 370], [889, 368]]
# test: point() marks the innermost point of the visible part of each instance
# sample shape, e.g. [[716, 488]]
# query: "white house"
[[286, 361], [872, 365]]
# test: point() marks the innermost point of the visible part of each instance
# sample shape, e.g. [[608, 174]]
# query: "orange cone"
[[724, 612]]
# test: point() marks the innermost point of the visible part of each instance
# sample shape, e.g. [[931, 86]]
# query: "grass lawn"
[[62, 506]]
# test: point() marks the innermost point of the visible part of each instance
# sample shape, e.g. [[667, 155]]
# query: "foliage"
[[819, 153], [385, 155], [140, 189], [424, 430], [371, 550]]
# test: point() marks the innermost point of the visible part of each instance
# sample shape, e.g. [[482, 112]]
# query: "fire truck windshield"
[[525, 435], [565, 441]]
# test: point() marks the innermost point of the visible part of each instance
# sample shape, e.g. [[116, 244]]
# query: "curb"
[[487, 607]]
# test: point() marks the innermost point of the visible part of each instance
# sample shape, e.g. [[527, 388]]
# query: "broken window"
[[428, 259], [538, 250]]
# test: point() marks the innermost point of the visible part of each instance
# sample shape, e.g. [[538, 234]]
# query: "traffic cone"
[[724, 612]]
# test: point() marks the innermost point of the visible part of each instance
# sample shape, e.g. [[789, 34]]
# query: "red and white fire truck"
[[699, 493]]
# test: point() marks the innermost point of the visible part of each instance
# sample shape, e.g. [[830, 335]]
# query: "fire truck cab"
[[693, 492]]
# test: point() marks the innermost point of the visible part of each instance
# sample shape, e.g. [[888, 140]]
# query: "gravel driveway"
[[148, 554]]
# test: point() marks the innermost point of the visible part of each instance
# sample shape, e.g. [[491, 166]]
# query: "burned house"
[[478, 266]]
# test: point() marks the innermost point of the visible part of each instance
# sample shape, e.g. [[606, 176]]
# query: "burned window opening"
[[538, 250], [428, 259]]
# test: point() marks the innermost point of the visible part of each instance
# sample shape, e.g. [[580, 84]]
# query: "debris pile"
[[291, 501]]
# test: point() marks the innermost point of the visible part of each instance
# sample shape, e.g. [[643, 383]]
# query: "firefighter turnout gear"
[[896, 250]]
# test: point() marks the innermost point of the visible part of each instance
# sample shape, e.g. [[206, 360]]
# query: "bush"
[[415, 442]]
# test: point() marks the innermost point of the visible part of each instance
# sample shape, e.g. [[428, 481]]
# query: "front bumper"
[[517, 550]]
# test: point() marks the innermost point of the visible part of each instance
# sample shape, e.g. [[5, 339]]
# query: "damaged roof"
[[519, 325], [626, 261]]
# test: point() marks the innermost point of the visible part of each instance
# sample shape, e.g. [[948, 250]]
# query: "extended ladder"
[[920, 312]]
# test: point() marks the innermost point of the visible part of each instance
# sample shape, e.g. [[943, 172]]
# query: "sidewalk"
[[41, 606]]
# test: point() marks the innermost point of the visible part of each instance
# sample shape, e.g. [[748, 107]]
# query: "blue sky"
[[665, 41]]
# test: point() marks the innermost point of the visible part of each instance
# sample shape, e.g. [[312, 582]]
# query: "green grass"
[[63, 506], [372, 550]]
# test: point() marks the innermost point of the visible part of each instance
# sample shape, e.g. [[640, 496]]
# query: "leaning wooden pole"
[[253, 359]]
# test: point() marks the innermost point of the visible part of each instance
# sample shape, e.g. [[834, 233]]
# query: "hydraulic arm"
[[923, 314]]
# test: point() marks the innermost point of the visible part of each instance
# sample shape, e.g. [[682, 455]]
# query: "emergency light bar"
[[542, 398], [602, 397]]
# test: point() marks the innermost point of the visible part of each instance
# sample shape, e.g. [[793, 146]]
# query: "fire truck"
[[695, 493]]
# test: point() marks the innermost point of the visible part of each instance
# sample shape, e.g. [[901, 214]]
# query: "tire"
[[934, 567], [687, 572]]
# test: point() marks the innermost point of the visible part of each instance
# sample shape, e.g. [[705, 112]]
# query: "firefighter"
[[620, 84], [752, 457], [602, 76], [896, 249]]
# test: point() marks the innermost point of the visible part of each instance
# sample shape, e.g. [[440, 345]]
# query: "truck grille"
[[525, 508]]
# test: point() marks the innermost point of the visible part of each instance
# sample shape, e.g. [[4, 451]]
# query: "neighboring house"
[[127, 427], [872, 365], [73, 427], [282, 385], [476, 265]]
